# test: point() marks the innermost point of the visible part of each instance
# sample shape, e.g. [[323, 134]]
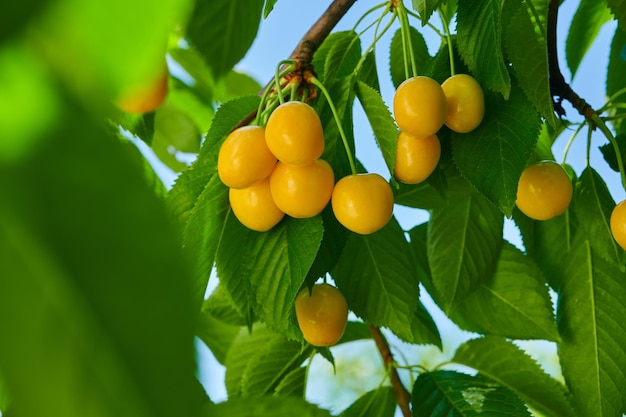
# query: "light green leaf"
[[381, 121], [368, 72], [381, 295], [453, 394], [618, 7], [138, 125], [590, 16], [526, 47], [223, 30], [269, 6], [267, 407], [221, 306], [591, 313], [514, 303], [479, 41], [217, 335], [464, 241], [425, 8], [493, 156], [292, 384], [343, 55], [265, 271], [380, 402], [235, 84], [507, 364], [396, 56]]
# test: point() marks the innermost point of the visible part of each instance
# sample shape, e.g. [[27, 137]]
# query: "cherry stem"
[[402, 395], [377, 36], [570, 142], [407, 43], [317, 83], [444, 21]]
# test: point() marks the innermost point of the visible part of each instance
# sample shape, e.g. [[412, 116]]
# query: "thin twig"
[[402, 395]]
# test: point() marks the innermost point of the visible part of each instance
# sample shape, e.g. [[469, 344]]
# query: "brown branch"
[[310, 42], [402, 395], [559, 89]]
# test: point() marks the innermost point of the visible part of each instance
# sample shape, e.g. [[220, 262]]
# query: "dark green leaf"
[[590, 16], [333, 242], [369, 72], [479, 41], [618, 7], [269, 6], [267, 407], [381, 121], [380, 402], [464, 240], [591, 314], [493, 156], [615, 81], [223, 30], [526, 47], [343, 55], [14, 17], [453, 394], [608, 151], [515, 303], [507, 364], [396, 56], [139, 125], [217, 335], [379, 294], [265, 271]]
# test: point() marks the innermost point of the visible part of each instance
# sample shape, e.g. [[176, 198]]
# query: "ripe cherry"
[[302, 191], [244, 158], [420, 106], [362, 203], [144, 97], [466, 103], [254, 206], [544, 190], [416, 158], [294, 133], [618, 224], [322, 314]]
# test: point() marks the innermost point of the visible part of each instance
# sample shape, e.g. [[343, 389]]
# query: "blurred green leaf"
[[493, 156], [267, 407], [235, 84], [507, 364], [618, 7], [222, 31], [380, 402], [479, 41], [453, 394]]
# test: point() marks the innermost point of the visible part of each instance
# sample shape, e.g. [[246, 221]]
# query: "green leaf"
[[269, 6], [464, 241], [293, 383], [15, 17], [479, 41], [191, 183], [342, 55], [223, 30], [453, 394], [396, 56], [493, 156], [615, 81], [591, 314], [333, 242], [265, 271], [217, 335], [221, 306], [514, 303], [593, 204], [380, 402], [608, 151], [381, 121], [590, 16], [93, 279], [235, 84], [368, 72], [526, 47], [139, 125], [378, 294], [425, 8], [267, 407], [510, 366], [618, 7]]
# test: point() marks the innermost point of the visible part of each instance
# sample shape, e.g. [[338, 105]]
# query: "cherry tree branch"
[[559, 88], [402, 395]]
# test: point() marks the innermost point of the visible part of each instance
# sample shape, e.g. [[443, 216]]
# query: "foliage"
[[104, 271]]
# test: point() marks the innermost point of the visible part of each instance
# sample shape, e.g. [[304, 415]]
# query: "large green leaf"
[[493, 156], [382, 295], [453, 394], [618, 7], [216, 334], [264, 271], [267, 407], [507, 364], [92, 280], [615, 80], [591, 313], [381, 121], [514, 303], [525, 42], [590, 16], [223, 30], [343, 55], [464, 240], [479, 42], [380, 402], [396, 56]]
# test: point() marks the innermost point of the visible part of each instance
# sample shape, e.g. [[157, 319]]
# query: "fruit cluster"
[[421, 107], [277, 170]]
